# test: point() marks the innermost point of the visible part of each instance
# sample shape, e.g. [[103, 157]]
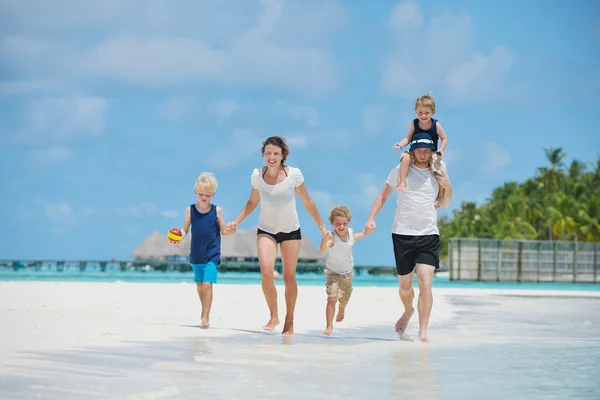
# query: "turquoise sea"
[[244, 278]]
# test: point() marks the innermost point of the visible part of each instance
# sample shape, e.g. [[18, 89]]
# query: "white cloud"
[[496, 157], [223, 109], [155, 44], [309, 115], [177, 108], [337, 139], [406, 15], [25, 86], [464, 74], [170, 214], [297, 141], [68, 117], [369, 186], [142, 210], [374, 118], [242, 144], [50, 155], [62, 217], [323, 200]]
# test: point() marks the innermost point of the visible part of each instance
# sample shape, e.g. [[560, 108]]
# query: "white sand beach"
[[65, 339]]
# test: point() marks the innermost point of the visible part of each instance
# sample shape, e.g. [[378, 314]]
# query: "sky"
[[110, 110]]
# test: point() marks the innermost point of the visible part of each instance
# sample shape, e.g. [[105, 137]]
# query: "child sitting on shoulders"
[[425, 109], [339, 266]]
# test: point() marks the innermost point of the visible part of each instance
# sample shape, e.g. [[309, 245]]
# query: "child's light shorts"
[[338, 286], [205, 272], [438, 166]]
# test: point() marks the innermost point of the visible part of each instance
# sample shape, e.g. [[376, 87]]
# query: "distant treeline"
[[559, 203]]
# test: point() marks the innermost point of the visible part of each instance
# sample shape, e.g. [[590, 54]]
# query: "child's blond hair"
[[427, 101], [206, 182], [340, 211]]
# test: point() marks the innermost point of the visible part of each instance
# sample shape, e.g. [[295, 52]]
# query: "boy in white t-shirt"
[[339, 267]]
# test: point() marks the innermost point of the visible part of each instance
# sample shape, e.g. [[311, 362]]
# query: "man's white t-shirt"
[[415, 213], [278, 202]]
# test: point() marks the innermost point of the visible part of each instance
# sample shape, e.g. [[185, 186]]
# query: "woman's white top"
[[339, 257], [278, 202]]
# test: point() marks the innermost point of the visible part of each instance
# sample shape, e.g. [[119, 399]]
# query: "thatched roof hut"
[[238, 247]]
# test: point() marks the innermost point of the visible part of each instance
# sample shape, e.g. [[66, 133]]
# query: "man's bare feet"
[[402, 323], [328, 330], [288, 328], [341, 313], [204, 323], [423, 337], [270, 326]]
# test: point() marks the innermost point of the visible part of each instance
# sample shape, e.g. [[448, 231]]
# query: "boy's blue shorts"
[[205, 272]]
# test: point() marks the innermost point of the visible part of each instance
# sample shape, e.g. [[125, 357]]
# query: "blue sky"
[[110, 110]]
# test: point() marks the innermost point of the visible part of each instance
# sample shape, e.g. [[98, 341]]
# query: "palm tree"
[[553, 176]]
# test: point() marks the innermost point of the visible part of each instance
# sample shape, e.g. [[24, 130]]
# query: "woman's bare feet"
[[288, 328], [423, 337], [270, 326], [341, 313], [204, 323], [402, 323], [328, 330]]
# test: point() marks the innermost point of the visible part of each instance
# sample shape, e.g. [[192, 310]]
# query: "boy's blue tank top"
[[206, 236], [431, 131]]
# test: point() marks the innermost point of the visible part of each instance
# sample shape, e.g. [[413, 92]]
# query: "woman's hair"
[[340, 211], [206, 182], [278, 141]]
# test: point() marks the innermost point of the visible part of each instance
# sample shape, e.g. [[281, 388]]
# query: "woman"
[[275, 187]]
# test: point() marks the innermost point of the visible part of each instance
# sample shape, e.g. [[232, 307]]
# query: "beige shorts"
[[438, 166], [338, 286]]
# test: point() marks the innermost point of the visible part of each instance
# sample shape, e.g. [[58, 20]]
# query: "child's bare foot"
[[270, 326], [436, 203], [288, 328], [328, 330], [401, 186], [204, 323], [341, 313]]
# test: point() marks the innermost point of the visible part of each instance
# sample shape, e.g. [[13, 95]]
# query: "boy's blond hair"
[[340, 211], [426, 101], [206, 182]]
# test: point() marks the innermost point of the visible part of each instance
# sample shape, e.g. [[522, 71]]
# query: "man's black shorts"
[[282, 236], [412, 250]]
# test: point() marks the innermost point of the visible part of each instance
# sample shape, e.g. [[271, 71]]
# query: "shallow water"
[[251, 278], [495, 347]]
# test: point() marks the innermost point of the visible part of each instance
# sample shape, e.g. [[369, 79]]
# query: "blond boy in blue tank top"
[[339, 266], [204, 221]]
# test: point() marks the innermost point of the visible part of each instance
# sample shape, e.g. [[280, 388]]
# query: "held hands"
[[324, 232], [231, 227], [369, 227], [396, 146]]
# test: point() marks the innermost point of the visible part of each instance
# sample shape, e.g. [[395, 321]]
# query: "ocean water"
[[254, 278], [495, 347]]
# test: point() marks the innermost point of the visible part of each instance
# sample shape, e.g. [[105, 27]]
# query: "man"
[[415, 235]]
